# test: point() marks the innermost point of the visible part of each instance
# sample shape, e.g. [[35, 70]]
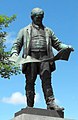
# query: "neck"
[[39, 25]]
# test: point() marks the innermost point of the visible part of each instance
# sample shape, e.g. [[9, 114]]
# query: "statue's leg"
[[30, 75], [45, 76], [47, 87]]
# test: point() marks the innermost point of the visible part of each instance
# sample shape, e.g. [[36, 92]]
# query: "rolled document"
[[20, 60], [63, 54]]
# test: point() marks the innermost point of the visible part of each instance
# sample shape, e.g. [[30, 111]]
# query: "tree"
[[6, 68]]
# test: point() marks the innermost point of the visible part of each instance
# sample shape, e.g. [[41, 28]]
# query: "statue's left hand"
[[71, 48]]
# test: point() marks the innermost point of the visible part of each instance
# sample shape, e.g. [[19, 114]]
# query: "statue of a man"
[[37, 41]]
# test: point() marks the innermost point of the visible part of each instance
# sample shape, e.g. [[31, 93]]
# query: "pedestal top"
[[41, 112]]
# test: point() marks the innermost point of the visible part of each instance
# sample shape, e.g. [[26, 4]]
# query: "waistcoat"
[[38, 40]]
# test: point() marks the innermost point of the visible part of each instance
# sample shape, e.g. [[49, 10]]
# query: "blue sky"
[[62, 17]]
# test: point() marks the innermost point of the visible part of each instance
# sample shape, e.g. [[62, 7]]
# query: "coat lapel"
[[47, 41], [27, 38]]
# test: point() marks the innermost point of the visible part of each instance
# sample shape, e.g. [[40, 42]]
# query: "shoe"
[[51, 105]]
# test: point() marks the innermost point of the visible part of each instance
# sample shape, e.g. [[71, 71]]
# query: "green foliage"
[[6, 67], [5, 20]]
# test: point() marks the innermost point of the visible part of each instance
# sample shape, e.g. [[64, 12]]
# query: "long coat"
[[24, 38]]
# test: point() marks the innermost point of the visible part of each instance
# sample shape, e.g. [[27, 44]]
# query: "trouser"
[[43, 69]]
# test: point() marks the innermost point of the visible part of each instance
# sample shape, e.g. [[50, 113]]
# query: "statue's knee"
[[46, 75]]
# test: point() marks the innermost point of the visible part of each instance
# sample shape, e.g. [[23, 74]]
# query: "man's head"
[[37, 15]]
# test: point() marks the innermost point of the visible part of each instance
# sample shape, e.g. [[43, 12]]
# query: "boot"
[[30, 99], [52, 105]]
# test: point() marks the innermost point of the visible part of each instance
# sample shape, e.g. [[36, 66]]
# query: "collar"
[[37, 27]]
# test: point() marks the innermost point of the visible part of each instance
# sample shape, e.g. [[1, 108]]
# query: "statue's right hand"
[[14, 55]]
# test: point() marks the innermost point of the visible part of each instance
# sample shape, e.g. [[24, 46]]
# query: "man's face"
[[37, 19]]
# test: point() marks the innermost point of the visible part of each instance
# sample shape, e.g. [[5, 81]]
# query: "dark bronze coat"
[[24, 38]]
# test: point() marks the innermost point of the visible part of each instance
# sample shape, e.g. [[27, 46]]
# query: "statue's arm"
[[16, 48], [57, 44]]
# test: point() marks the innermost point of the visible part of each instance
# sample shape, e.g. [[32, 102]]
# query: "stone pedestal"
[[41, 112], [38, 114], [36, 117]]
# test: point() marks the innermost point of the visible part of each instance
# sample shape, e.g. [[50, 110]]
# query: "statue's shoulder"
[[28, 27], [23, 30], [49, 30]]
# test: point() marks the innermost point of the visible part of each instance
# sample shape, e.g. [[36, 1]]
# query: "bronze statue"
[[37, 41]]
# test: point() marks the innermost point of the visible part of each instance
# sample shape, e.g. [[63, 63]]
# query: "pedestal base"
[[36, 117], [38, 114]]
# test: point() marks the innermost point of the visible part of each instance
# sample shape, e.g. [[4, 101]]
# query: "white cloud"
[[18, 98], [15, 98], [10, 38]]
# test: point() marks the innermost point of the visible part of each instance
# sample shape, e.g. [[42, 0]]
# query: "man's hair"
[[37, 11]]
